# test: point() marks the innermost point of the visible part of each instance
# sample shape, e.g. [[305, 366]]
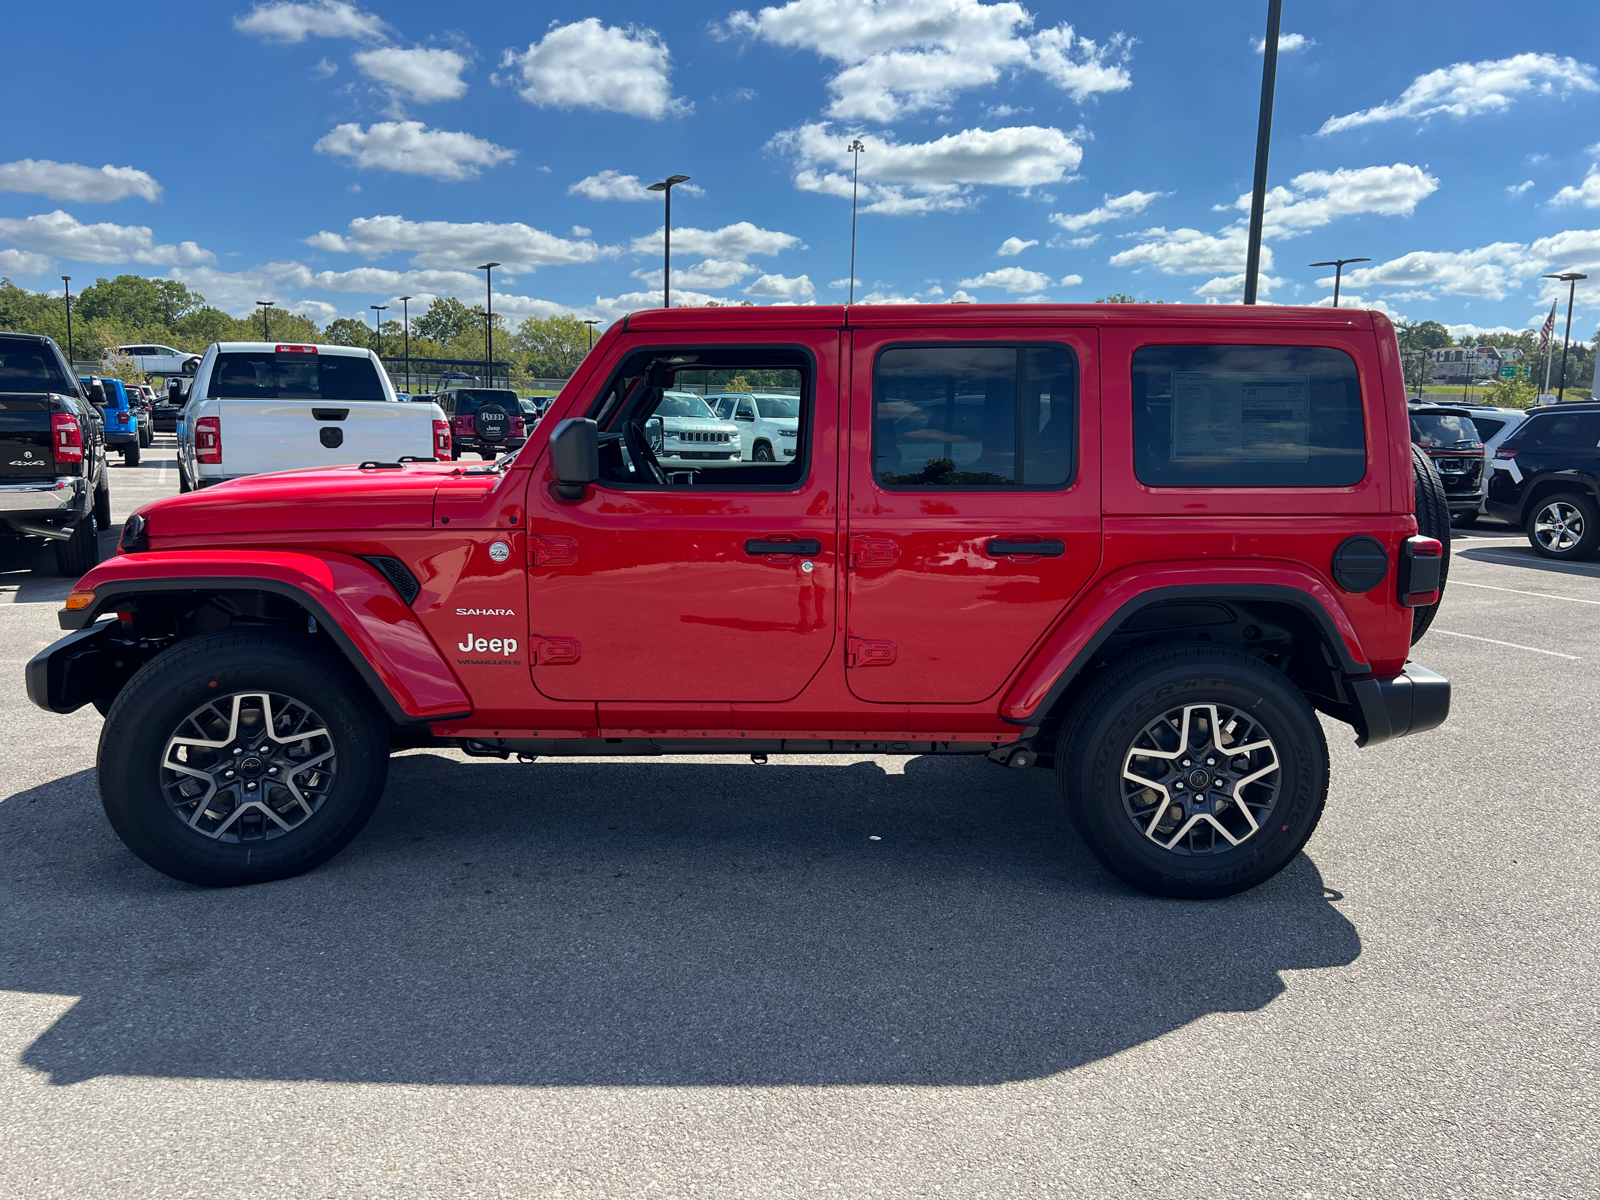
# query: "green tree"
[[1418, 340], [347, 331], [554, 346], [447, 319], [137, 302]]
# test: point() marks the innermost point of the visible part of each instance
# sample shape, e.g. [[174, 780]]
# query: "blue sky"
[[332, 155]]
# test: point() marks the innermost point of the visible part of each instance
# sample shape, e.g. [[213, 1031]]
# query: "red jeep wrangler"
[[1140, 544]]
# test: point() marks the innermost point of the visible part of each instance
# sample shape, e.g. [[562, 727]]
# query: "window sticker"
[[1241, 416]]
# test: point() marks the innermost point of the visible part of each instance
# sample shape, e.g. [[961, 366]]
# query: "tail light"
[[443, 444], [294, 349], [208, 440], [1506, 453], [1421, 564], [66, 438], [518, 429]]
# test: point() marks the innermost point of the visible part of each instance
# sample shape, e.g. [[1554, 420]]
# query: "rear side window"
[[1488, 426], [1247, 416], [260, 376], [951, 417], [1559, 431]]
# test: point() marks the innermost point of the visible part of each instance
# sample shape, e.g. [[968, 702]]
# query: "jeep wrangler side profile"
[[1143, 546]]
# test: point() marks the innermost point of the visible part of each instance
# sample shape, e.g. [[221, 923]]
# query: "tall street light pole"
[[67, 282], [377, 328], [591, 322], [854, 148], [1570, 278], [1258, 194], [488, 320], [405, 319], [665, 188], [266, 328], [1338, 265]]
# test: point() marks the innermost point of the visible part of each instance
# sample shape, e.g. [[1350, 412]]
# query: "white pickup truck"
[[256, 407]]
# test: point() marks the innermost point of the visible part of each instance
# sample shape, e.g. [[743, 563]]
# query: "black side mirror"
[[575, 456]]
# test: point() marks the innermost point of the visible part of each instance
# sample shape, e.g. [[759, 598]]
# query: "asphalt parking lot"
[[841, 976]]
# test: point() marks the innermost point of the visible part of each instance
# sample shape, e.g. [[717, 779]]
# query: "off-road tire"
[[1100, 728], [159, 697], [183, 482], [77, 555], [130, 454], [102, 504], [1588, 542], [1433, 520]]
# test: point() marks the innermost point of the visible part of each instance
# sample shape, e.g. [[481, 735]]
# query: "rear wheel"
[[130, 454], [78, 554], [1564, 526], [1433, 520], [1193, 771], [238, 758], [102, 504], [183, 481]]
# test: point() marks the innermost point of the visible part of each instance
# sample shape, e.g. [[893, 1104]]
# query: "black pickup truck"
[[53, 478]]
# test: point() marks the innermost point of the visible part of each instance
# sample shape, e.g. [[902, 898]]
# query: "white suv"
[[159, 360], [768, 421], [1494, 426], [692, 435]]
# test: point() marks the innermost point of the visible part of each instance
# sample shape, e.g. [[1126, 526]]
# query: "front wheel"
[[1564, 526], [240, 757], [1193, 771], [762, 453]]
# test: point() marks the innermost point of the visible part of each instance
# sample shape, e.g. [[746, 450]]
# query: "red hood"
[[309, 501]]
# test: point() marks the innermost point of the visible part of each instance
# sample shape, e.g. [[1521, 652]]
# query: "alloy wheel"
[[1559, 527]]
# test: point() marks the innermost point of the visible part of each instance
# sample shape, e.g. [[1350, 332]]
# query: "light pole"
[[665, 187], [1258, 194], [488, 320], [1570, 278], [405, 311], [854, 148], [266, 328], [1338, 272], [591, 322], [67, 281], [377, 327]]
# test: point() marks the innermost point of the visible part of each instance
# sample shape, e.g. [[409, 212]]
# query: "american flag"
[[1548, 330]]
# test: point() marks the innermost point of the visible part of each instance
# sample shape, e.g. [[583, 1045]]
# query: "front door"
[[974, 506], [688, 575]]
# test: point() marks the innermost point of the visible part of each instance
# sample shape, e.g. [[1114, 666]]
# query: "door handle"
[[1043, 548], [803, 546]]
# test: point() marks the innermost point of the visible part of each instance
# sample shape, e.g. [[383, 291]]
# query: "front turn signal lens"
[[79, 600]]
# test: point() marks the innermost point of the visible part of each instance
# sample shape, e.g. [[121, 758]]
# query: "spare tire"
[[492, 423], [1433, 520]]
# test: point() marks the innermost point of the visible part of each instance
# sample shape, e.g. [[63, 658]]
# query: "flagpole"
[[1549, 338]]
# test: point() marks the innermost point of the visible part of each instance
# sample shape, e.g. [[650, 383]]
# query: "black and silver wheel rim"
[[1558, 526], [1201, 779], [248, 767]]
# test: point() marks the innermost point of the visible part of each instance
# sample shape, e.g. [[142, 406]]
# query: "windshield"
[[683, 404], [1443, 431], [256, 375], [774, 408], [31, 368], [469, 401]]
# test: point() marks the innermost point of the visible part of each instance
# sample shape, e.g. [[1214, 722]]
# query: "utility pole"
[[1258, 194], [405, 311], [266, 328], [591, 322], [1338, 273], [1570, 278], [377, 328], [665, 188], [488, 320], [855, 148], [67, 281]]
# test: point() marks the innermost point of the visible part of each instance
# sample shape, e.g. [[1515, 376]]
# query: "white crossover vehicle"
[[692, 436], [769, 424], [257, 407], [159, 360]]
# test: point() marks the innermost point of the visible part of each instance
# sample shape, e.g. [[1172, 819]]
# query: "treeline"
[[131, 309], [1419, 339]]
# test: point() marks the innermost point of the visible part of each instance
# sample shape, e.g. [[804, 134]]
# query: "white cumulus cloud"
[[23, 262], [904, 56], [70, 181], [1288, 43], [1014, 246], [588, 64], [446, 244], [421, 74], [1470, 89], [614, 185], [1015, 280], [1315, 198], [712, 273], [736, 242], [411, 148], [796, 290], [1586, 193], [918, 177], [1190, 252], [1114, 209], [62, 235], [289, 22]]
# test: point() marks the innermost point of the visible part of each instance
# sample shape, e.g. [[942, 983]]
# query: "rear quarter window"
[[1247, 416]]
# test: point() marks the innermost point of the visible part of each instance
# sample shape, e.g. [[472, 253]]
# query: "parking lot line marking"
[[1513, 645], [1519, 592], [161, 475]]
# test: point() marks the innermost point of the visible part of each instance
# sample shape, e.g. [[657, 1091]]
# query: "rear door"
[[974, 503]]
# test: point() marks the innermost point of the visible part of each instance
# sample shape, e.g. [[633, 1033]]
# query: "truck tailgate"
[[282, 435], [25, 450]]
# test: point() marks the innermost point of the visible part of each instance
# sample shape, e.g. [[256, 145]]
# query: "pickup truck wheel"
[[1193, 771], [183, 482], [1433, 520], [1564, 526], [130, 454], [102, 504], [77, 555], [240, 757]]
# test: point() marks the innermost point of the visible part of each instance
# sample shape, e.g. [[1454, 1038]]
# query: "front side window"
[[984, 416], [255, 375], [1247, 416]]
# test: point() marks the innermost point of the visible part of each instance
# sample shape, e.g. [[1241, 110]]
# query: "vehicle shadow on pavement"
[[1522, 555], [616, 923]]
